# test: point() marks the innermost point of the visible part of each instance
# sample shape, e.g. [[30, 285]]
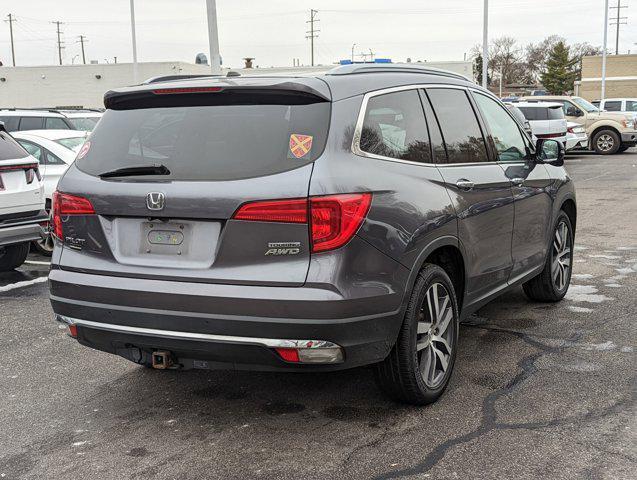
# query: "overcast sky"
[[273, 31]]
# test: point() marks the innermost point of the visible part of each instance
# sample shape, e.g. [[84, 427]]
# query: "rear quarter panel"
[[411, 210]]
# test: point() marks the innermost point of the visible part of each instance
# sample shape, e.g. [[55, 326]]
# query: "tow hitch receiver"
[[162, 359]]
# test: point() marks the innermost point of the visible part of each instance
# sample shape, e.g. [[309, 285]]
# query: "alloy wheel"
[[435, 335], [561, 260], [605, 142]]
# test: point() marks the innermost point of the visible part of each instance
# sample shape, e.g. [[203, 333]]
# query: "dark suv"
[[306, 223]]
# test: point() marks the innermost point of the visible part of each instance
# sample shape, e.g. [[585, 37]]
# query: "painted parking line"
[[25, 283], [35, 262]]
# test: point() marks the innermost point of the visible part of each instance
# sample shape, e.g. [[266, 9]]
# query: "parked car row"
[[49, 119], [50, 139], [607, 132]]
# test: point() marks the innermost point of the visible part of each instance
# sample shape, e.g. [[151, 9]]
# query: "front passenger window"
[[394, 126], [505, 132]]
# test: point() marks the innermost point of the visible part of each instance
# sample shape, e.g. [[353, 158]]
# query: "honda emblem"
[[155, 201]]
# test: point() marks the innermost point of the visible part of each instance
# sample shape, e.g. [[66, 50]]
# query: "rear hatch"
[[198, 154], [20, 185]]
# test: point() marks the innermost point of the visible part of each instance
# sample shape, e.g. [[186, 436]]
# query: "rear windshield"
[[223, 142], [72, 143], [542, 113], [83, 123], [10, 149]]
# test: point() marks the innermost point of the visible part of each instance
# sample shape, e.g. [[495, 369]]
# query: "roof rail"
[[393, 68]]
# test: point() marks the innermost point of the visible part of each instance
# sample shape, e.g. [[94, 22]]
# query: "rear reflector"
[[286, 211], [64, 205], [288, 354], [332, 354], [73, 330], [171, 91], [334, 219]]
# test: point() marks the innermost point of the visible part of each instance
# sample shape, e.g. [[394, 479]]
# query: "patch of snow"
[[573, 308], [585, 293], [607, 257], [613, 285]]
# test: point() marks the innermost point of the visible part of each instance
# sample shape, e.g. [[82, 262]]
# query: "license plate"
[[165, 237]]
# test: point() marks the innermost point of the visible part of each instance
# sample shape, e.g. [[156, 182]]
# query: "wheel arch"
[[446, 252], [570, 208]]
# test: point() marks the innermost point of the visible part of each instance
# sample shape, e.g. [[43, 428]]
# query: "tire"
[[408, 374], [12, 256], [606, 142], [551, 285]]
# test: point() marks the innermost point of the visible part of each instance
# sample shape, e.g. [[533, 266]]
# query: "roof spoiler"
[[218, 92]]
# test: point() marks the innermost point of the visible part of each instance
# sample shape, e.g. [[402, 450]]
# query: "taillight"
[[287, 211], [333, 219], [570, 130], [64, 205], [336, 218]]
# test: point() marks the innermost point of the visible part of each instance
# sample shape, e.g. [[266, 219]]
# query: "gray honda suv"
[[306, 223]]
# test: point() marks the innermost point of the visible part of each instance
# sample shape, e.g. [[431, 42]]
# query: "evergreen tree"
[[561, 70]]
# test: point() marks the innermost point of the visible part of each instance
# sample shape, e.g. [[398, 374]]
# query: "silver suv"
[[306, 223]]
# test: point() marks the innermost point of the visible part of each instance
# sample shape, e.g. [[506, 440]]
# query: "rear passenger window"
[[613, 106], [10, 123], [395, 127], [31, 123], [460, 128], [55, 123]]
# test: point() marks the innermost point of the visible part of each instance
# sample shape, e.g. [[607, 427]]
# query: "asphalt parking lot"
[[539, 390]]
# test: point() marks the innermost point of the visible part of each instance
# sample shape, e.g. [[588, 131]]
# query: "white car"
[[546, 118], [22, 214], [55, 150], [625, 105], [576, 136], [16, 119]]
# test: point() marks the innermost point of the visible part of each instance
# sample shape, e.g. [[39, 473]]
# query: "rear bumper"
[[223, 326], [629, 137], [579, 140], [23, 230]]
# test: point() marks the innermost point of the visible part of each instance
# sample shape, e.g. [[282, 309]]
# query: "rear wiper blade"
[[135, 170]]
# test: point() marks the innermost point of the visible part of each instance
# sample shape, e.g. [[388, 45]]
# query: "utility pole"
[[485, 44], [60, 42], [82, 40], [11, 20], [353, 45], [313, 33], [603, 96], [619, 21], [213, 37], [134, 40]]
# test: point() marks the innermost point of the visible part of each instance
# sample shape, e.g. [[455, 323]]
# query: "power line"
[[11, 20], [82, 41], [313, 33], [59, 42], [619, 20]]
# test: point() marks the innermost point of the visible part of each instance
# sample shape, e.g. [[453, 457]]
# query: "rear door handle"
[[464, 184], [517, 181]]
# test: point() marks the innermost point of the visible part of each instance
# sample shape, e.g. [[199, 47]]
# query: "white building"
[[85, 85]]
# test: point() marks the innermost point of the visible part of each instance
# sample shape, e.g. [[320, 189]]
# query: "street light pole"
[[485, 44], [213, 37], [353, 45], [134, 37], [603, 96]]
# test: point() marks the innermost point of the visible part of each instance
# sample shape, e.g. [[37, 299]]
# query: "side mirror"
[[573, 112], [550, 152]]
